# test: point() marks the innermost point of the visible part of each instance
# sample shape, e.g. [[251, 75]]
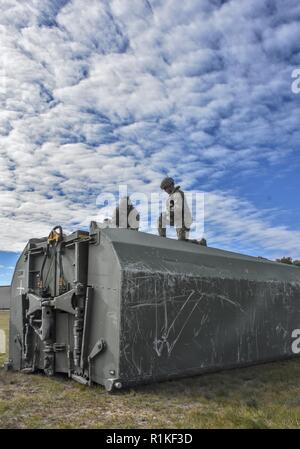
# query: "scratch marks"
[[170, 300], [160, 343], [165, 341], [175, 321]]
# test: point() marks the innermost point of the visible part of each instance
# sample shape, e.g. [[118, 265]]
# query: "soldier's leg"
[[182, 233], [161, 226]]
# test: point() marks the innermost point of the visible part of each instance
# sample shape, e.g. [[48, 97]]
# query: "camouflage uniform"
[[177, 212]]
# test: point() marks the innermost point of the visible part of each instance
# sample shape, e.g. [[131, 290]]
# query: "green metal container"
[[120, 308]]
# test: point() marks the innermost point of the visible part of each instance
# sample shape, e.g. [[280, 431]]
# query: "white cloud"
[[125, 91], [232, 222]]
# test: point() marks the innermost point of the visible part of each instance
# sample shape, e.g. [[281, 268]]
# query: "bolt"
[[118, 385], [112, 372]]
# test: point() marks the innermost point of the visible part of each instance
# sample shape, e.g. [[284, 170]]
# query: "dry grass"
[[265, 396]]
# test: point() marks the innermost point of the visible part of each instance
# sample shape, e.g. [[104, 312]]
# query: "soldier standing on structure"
[[177, 211]]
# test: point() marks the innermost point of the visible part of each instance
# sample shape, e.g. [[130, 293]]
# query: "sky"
[[107, 92]]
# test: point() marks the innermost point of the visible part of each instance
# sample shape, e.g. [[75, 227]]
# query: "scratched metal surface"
[[200, 323], [187, 309]]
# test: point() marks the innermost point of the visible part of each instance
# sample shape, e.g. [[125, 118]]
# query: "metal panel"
[[104, 275], [187, 309]]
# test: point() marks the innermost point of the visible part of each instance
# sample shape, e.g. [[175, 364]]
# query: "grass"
[[265, 396]]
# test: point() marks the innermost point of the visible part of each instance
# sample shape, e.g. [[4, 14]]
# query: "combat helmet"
[[167, 182]]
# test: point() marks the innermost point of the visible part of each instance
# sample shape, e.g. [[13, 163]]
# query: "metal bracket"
[[99, 347], [80, 379], [64, 302], [35, 303]]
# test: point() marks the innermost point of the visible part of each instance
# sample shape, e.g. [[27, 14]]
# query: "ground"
[[264, 396]]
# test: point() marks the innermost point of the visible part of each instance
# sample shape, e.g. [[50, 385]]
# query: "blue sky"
[[101, 93]]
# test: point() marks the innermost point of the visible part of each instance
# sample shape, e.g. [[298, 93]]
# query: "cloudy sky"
[[97, 93]]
